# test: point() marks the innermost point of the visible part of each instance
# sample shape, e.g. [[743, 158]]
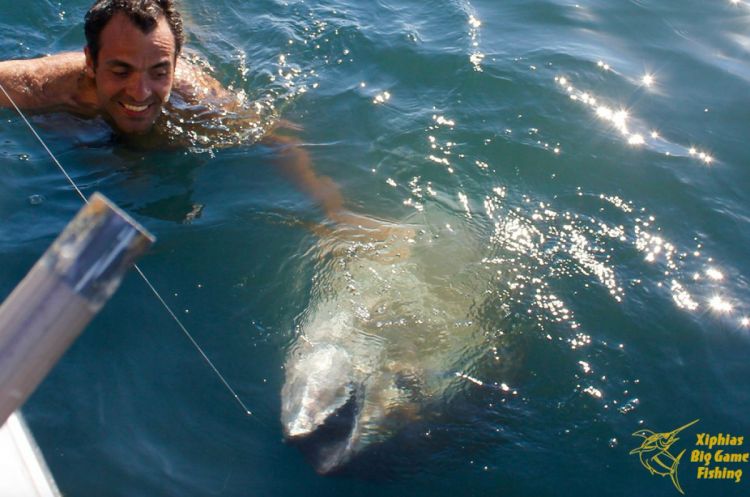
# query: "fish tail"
[[673, 472]]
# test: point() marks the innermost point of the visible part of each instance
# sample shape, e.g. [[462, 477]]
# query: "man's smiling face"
[[134, 72]]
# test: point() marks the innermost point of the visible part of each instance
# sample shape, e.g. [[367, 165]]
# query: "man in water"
[[126, 73], [128, 70]]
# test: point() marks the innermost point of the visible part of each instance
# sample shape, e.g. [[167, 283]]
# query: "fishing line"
[[138, 270], [54, 159]]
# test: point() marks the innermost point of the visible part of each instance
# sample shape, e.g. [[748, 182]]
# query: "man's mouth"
[[134, 110]]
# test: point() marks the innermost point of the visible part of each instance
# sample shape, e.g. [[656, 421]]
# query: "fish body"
[[388, 325]]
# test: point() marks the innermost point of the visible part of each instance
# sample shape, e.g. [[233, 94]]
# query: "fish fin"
[[673, 472]]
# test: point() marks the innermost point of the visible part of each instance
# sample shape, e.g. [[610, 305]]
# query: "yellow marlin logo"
[[655, 456]]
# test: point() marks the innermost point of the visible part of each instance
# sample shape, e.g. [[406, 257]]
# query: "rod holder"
[[64, 290]]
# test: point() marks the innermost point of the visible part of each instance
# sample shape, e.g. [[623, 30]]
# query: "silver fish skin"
[[388, 325]]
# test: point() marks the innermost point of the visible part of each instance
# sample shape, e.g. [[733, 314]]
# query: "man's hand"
[[381, 240], [347, 226]]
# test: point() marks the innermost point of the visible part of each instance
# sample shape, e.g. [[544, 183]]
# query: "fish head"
[[332, 413], [318, 383], [320, 402]]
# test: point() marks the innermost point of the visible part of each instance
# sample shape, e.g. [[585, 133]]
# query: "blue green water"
[[596, 150]]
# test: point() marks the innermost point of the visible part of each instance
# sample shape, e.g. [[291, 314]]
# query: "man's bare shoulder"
[[48, 82], [193, 81]]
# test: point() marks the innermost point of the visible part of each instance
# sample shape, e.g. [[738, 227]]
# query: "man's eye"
[[120, 73]]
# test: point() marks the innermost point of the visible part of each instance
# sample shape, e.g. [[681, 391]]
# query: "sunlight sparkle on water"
[[381, 98], [636, 133], [720, 305], [442, 120], [476, 56], [682, 298], [714, 274], [476, 60], [620, 119], [594, 392], [636, 139]]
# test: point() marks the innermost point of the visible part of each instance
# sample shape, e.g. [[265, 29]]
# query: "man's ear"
[[89, 62]]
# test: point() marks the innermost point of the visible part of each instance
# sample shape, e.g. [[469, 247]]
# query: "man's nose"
[[139, 89]]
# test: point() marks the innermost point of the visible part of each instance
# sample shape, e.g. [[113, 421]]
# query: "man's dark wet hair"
[[143, 13]]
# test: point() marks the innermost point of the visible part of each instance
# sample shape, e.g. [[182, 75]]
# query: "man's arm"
[[294, 162], [42, 83], [196, 85]]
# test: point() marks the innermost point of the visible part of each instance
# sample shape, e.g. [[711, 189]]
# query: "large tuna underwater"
[[389, 330]]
